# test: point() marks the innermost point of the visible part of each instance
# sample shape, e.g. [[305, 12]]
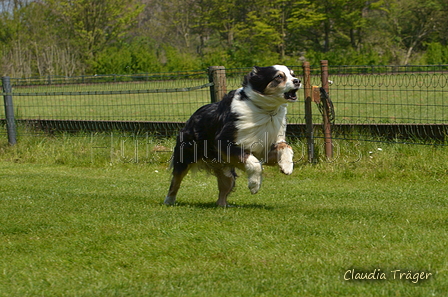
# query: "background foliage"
[[76, 37]]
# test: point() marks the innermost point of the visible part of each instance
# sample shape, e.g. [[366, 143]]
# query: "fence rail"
[[391, 103]]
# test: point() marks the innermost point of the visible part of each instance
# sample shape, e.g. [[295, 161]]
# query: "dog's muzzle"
[[292, 94]]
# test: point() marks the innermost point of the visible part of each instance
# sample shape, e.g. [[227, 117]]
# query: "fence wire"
[[157, 97], [394, 95], [391, 103], [396, 103]]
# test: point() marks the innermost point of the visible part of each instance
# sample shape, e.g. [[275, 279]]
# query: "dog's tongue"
[[291, 95]]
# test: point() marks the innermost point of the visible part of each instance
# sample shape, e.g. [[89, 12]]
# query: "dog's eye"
[[279, 76]]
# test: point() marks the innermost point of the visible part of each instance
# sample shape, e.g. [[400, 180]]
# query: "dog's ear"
[[255, 70], [250, 76]]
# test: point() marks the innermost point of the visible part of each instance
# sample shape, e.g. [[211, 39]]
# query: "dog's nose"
[[296, 81]]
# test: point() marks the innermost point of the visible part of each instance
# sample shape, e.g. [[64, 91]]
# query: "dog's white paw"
[[254, 171], [254, 183], [170, 200], [287, 168], [285, 160]]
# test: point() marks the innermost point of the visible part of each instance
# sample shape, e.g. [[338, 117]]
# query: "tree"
[[94, 24], [71, 37], [410, 22], [10, 6]]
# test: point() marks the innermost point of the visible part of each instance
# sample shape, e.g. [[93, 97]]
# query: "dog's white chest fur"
[[258, 129]]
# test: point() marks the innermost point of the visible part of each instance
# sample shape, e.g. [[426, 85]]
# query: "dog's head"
[[277, 83]]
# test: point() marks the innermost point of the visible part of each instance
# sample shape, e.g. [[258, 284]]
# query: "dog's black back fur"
[[209, 130]]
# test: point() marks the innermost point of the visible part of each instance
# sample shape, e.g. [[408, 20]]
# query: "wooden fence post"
[[9, 110], [326, 112], [308, 111], [217, 75]]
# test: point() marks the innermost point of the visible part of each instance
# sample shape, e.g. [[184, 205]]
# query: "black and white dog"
[[244, 130]]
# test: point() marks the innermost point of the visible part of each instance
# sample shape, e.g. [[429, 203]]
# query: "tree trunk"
[[327, 37], [408, 54]]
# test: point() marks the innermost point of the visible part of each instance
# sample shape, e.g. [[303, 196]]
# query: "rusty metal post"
[[217, 75], [308, 111], [326, 112]]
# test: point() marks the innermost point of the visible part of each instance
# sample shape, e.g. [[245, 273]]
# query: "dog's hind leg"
[[178, 176], [226, 182]]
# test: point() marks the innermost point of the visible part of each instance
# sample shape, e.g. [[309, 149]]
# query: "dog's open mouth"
[[291, 95]]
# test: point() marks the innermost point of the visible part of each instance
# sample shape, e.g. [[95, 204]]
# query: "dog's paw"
[[254, 171], [170, 200], [285, 162], [287, 168], [254, 184]]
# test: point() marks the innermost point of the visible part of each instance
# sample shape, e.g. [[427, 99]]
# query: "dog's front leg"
[[285, 155], [244, 160], [254, 171], [282, 154]]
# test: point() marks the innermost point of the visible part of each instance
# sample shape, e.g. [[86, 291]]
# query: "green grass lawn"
[[77, 223]]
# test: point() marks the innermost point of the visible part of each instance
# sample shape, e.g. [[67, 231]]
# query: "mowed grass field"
[[84, 217], [418, 98]]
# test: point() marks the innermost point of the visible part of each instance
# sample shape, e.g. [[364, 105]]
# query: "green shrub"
[[128, 58], [436, 53]]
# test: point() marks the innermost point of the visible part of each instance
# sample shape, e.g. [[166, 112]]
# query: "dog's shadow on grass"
[[211, 205]]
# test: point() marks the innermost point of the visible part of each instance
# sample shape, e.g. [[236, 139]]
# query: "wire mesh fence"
[[389, 102], [397, 103], [157, 97], [391, 94]]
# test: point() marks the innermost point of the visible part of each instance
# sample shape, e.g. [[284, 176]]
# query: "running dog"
[[244, 130]]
